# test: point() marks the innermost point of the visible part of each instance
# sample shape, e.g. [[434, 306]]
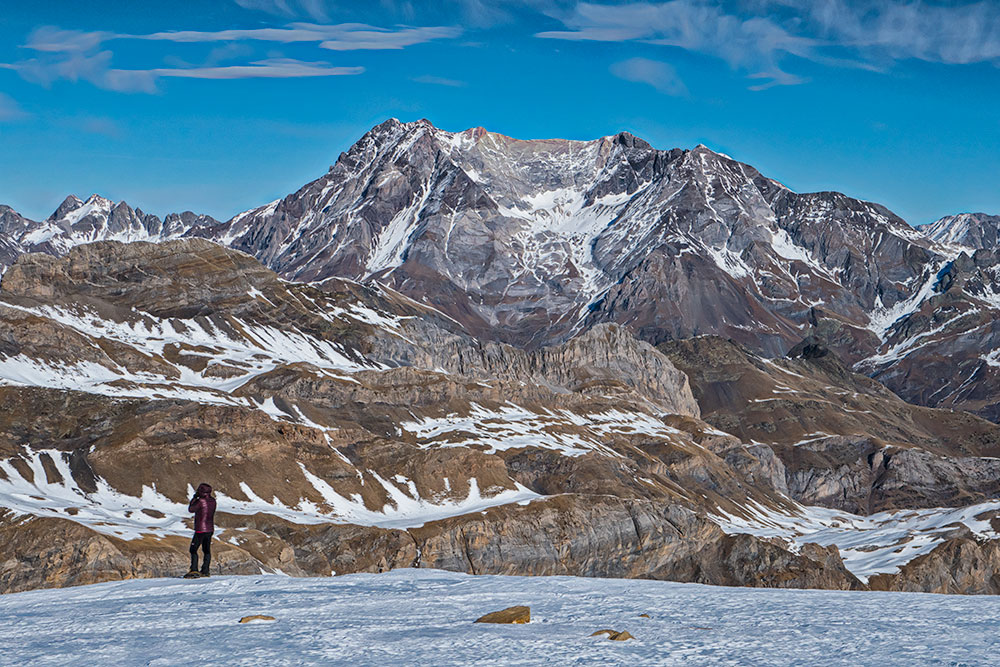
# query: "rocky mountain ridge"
[[347, 428], [532, 242], [77, 222], [970, 231]]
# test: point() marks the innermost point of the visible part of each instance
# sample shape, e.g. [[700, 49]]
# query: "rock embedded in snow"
[[615, 635], [257, 618], [518, 614], [410, 616]]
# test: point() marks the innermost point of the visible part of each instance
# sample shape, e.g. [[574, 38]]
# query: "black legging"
[[203, 540]]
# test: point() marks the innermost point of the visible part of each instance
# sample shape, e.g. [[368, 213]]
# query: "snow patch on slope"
[[129, 517], [869, 545], [511, 427]]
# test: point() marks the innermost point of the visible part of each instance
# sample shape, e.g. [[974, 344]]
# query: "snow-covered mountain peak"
[[542, 229], [76, 221], [972, 231], [533, 241], [68, 205]]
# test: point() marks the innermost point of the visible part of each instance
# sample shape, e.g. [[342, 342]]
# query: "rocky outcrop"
[[519, 614], [49, 552], [962, 565], [571, 535], [602, 360], [843, 441], [194, 283], [613, 537]]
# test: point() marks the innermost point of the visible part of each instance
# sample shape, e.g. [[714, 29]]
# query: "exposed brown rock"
[[614, 635], [605, 536], [632, 503], [50, 552], [842, 440], [519, 614], [961, 565], [256, 618]]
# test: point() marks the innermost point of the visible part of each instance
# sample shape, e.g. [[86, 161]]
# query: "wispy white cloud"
[[315, 9], [755, 44], [96, 70], [757, 36], [78, 56], [661, 76], [10, 110], [374, 39], [274, 68], [953, 33], [438, 81], [51, 39], [338, 37], [469, 13]]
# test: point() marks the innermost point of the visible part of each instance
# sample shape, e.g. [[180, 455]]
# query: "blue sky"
[[220, 106]]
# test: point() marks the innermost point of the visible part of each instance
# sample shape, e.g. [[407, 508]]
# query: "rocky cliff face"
[[845, 441], [944, 351]]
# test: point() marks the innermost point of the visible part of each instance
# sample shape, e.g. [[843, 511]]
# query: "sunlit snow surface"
[[424, 617]]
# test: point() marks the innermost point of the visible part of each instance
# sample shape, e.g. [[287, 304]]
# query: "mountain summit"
[[532, 241]]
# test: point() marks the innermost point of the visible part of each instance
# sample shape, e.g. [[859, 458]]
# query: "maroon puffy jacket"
[[203, 506]]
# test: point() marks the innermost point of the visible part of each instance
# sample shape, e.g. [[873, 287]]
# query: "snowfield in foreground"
[[424, 617]]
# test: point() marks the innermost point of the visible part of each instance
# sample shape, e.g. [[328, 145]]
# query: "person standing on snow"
[[203, 506]]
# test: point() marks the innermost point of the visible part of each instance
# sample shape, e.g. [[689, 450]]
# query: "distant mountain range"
[[471, 352], [533, 242]]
